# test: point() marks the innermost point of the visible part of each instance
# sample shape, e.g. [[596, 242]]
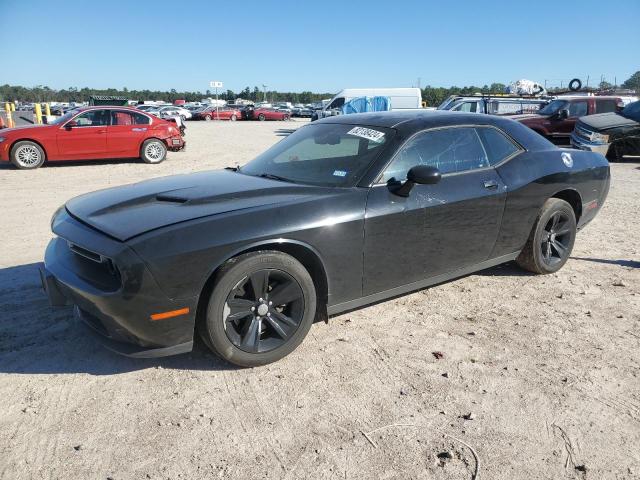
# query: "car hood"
[[604, 121], [5, 131], [131, 210]]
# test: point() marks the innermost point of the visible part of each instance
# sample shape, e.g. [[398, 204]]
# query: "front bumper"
[[4, 151], [582, 144], [118, 305]]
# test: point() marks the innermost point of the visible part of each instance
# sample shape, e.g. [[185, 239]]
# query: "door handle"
[[491, 184], [102, 131]]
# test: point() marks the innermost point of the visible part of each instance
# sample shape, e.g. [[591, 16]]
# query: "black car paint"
[[168, 236]]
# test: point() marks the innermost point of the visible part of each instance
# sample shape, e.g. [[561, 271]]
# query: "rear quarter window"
[[497, 145]]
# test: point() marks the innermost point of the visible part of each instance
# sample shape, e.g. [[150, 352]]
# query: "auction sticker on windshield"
[[368, 133]]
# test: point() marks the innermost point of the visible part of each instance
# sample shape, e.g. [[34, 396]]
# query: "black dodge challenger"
[[345, 212]]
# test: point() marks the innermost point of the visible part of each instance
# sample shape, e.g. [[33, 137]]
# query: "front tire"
[[261, 308], [207, 118], [261, 117], [27, 155], [153, 151], [551, 240]]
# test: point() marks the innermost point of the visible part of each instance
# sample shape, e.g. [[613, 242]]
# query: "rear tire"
[[207, 118], [233, 118], [551, 240], [27, 155], [153, 151], [261, 117], [282, 295]]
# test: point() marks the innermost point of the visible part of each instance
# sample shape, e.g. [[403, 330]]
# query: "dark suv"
[[557, 120]]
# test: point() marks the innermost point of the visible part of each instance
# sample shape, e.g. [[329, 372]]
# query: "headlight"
[[2, 139], [55, 215], [172, 130], [599, 137]]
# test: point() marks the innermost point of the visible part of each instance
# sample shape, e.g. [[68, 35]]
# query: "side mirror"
[[420, 174], [563, 114], [70, 124]]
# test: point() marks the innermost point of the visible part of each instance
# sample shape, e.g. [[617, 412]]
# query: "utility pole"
[[264, 90]]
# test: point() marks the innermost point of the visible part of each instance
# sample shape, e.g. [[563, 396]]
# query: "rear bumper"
[[175, 143], [583, 144], [119, 306]]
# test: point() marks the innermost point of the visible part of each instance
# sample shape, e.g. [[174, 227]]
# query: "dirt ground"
[[539, 378]]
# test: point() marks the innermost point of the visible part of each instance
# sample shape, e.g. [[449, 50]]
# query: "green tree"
[[633, 82]]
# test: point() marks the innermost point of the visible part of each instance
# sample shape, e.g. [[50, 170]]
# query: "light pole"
[[264, 94]]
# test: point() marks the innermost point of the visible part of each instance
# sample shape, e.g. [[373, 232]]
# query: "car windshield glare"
[[322, 154], [553, 107], [632, 111]]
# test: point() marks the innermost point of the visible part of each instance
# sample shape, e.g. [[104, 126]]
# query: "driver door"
[[84, 136], [438, 228]]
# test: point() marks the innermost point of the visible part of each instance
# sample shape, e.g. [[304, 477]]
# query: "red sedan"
[[269, 114], [221, 114], [91, 133]]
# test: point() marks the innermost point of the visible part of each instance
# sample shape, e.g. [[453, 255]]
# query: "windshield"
[[64, 118], [632, 111], [553, 107], [322, 154]]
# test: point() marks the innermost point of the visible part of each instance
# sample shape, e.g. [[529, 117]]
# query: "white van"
[[401, 99]]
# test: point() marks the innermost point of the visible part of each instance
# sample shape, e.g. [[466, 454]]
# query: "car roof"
[[399, 118], [408, 122], [103, 107]]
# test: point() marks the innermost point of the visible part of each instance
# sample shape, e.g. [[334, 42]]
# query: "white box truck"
[[401, 99]]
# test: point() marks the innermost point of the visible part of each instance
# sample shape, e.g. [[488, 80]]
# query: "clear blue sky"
[[321, 45]]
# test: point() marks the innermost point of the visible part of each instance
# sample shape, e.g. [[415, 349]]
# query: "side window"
[[450, 150], [93, 118], [337, 103], [140, 119], [471, 107], [496, 144], [605, 106], [578, 109], [119, 117]]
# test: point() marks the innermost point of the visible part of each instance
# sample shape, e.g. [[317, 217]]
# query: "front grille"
[[94, 268], [583, 132], [83, 252]]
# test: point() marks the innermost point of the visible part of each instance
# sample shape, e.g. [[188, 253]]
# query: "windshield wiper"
[[274, 177]]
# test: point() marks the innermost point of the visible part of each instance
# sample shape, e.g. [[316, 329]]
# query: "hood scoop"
[[171, 198]]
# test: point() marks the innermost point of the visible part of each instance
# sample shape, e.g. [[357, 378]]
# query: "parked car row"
[[609, 124], [239, 112]]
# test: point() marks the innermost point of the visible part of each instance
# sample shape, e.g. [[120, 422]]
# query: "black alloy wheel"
[[261, 307], [556, 239], [263, 311], [551, 240]]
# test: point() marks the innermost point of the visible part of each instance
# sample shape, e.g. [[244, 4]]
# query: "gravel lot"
[[539, 374]]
